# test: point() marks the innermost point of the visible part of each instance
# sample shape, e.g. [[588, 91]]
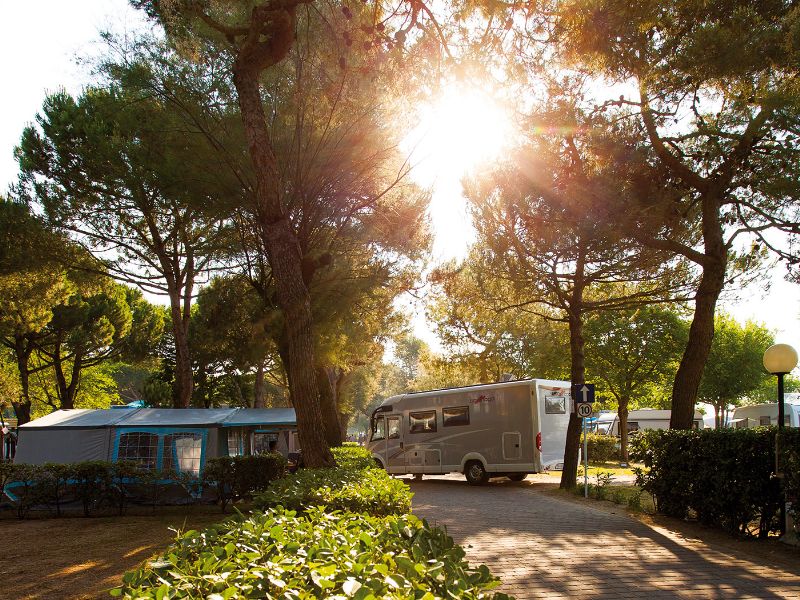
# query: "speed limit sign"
[[584, 410]]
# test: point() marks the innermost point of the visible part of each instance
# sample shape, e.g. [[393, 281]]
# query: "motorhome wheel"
[[475, 473]]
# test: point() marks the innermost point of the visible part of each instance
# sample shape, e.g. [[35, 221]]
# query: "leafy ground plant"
[[370, 491], [280, 554]]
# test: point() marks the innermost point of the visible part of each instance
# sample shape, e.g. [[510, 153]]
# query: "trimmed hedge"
[[98, 485], [723, 477], [277, 554], [238, 477], [601, 448], [354, 485], [372, 550], [370, 491], [91, 484]]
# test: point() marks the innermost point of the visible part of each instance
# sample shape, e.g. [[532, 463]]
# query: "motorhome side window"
[[378, 432], [555, 405], [455, 415], [763, 421], [393, 427], [422, 422]]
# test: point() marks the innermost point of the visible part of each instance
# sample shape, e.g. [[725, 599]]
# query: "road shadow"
[[542, 545]]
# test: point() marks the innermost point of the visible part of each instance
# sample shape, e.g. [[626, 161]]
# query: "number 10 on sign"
[[584, 410]]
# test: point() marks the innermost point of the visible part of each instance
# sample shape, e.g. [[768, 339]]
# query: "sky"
[[68, 32]]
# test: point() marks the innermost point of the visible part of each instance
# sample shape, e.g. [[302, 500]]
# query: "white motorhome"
[[501, 429], [607, 422], [758, 415]]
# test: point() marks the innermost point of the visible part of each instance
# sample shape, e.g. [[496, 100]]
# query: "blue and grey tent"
[[157, 438]]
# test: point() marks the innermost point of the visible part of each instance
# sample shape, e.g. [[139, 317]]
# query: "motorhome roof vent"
[[507, 377]]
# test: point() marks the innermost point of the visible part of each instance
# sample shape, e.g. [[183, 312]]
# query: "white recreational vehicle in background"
[[607, 422], [501, 429], [758, 415]]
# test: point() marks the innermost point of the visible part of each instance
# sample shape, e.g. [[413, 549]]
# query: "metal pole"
[[585, 463], [778, 470]]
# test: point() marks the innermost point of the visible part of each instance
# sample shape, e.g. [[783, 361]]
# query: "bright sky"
[[33, 65]]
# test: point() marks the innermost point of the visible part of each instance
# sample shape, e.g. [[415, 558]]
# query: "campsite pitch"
[[84, 558]]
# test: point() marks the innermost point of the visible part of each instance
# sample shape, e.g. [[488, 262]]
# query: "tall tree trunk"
[[22, 352], [184, 378], [285, 259], [577, 373], [622, 412], [344, 415], [701, 332], [258, 387], [327, 401], [64, 390]]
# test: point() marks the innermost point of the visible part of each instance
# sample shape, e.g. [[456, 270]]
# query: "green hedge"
[[723, 477], [601, 448], [277, 554], [354, 485], [370, 491], [93, 485], [237, 477], [99, 485], [352, 456], [351, 537]]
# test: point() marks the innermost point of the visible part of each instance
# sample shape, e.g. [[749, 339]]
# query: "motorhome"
[[506, 429], [607, 422], [758, 415]]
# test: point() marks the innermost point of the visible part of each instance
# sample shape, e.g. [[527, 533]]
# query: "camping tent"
[[157, 438]]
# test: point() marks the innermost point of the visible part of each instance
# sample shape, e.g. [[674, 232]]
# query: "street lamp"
[[779, 360]]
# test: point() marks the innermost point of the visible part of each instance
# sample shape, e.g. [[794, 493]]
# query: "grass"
[[612, 468]]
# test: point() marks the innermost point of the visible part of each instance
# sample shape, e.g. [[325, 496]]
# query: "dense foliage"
[[354, 485], [91, 486], [724, 477], [351, 536], [278, 554], [237, 477], [601, 448]]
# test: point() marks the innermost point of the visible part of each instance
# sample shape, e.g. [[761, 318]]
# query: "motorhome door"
[[394, 459]]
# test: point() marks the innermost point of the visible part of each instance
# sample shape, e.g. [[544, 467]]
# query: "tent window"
[[763, 421], [182, 452], [235, 442], [140, 447], [261, 441]]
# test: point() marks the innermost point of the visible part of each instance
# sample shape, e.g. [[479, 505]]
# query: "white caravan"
[[501, 429], [607, 422], [767, 414]]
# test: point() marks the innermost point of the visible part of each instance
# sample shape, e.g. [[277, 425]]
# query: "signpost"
[[583, 395]]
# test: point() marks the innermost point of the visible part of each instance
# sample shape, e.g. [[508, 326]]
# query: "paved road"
[[549, 547]]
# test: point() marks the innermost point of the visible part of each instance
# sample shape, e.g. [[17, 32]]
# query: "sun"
[[462, 128]]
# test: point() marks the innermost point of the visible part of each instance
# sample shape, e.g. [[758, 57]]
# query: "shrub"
[[352, 456], [319, 555], [601, 448], [370, 491], [723, 476], [237, 477], [92, 484], [789, 442]]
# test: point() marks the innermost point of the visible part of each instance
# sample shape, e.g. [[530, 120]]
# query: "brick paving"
[[543, 546]]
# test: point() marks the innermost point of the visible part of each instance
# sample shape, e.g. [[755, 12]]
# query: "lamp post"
[[779, 360]]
